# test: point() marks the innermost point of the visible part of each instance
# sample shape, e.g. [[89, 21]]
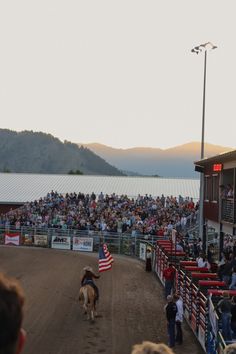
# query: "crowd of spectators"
[[112, 213]]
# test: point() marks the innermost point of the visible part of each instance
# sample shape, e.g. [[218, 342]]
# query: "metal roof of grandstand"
[[21, 188], [224, 157]]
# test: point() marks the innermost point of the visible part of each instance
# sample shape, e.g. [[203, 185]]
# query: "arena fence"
[[118, 243]]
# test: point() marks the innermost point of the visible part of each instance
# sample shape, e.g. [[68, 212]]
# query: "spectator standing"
[[169, 276], [233, 280], [224, 306], [12, 336], [148, 260], [179, 319], [233, 314], [202, 262], [226, 272], [171, 311]]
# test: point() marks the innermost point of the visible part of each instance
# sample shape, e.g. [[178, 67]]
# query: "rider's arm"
[[96, 276]]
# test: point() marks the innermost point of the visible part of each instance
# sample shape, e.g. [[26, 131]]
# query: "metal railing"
[[227, 210]]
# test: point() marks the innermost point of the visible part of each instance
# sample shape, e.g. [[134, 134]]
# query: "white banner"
[[61, 242], [12, 239], [82, 244], [142, 251], [213, 318], [41, 240]]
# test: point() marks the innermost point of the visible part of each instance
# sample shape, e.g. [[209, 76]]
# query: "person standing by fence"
[[169, 276], [224, 306], [148, 260], [171, 311], [179, 319]]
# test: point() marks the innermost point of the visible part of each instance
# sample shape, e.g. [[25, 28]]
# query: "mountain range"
[[37, 152], [173, 162], [31, 152]]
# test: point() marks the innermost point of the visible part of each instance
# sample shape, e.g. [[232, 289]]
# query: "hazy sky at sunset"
[[120, 73]]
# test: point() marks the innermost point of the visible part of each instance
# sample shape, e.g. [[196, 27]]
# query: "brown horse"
[[87, 299]]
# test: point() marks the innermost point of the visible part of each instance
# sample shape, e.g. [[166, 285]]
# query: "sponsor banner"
[[12, 239], [84, 244], [27, 240], [142, 251], [213, 318], [61, 242], [41, 240]]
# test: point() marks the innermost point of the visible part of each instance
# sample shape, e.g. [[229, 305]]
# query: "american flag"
[[105, 259]]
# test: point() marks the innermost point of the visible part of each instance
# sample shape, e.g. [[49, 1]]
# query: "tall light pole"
[[203, 48]]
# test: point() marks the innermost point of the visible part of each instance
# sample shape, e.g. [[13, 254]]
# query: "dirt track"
[[130, 309]]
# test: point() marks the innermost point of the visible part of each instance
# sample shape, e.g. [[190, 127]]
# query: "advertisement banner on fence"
[[84, 244], [142, 251], [61, 242], [27, 240], [12, 239], [213, 318], [41, 240]]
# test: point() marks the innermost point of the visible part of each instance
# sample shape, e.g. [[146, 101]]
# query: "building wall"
[[211, 211], [5, 208]]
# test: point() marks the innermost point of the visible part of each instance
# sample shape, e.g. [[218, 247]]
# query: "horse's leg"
[[92, 312], [95, 309], [86, 300], [85, 309]]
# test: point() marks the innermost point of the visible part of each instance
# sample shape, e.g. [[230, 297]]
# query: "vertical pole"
[[203, 106], [202, 234]]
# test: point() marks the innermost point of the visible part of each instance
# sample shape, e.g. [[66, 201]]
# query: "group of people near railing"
[[111, 213]]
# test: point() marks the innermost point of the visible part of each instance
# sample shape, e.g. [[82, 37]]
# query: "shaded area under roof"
[[20, 188]]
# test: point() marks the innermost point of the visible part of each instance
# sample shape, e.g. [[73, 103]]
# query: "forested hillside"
[[31, 152]]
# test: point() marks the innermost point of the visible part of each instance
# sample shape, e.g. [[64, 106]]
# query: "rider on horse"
[[88, 279]]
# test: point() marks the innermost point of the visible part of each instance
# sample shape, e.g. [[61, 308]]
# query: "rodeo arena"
[[139, 238]]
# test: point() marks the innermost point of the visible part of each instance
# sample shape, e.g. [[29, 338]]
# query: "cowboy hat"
[[88, 268]]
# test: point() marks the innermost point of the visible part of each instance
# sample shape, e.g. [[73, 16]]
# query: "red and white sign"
[[12, 239], [84, 244]]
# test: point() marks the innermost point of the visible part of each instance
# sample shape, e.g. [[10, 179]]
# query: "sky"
[[119, 73]]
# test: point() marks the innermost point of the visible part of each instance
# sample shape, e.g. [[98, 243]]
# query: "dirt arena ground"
[[130, 309]]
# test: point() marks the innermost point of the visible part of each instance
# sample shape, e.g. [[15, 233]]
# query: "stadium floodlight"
[[199, 49]]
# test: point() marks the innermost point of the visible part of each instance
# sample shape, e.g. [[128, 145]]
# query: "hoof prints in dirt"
[[90, 344]]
